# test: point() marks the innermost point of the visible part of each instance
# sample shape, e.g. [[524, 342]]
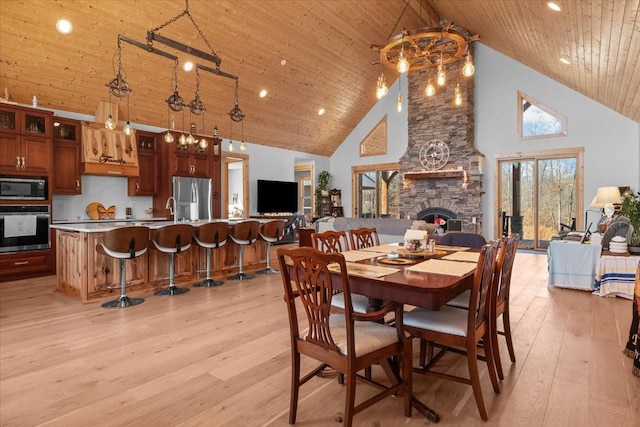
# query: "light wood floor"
[[220, 357]]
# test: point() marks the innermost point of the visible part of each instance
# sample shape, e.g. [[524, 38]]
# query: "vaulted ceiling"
[[326, 47]]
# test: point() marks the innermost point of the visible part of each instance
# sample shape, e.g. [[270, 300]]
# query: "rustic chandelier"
[[428, 47], [120, 88]]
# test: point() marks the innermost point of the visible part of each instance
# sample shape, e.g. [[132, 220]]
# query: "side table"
[[572, 265], [616, 275]]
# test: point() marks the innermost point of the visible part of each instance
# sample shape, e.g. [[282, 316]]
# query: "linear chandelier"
[[428, 47], [120, 88]]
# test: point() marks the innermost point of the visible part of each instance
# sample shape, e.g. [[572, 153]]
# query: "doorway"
[[304, 176], [235, 185], [539, 194]]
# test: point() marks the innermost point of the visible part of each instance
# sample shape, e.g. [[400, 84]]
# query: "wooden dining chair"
[[364, 237], [347, 342], [330, 241], [471, 240], [453, 329], [500, 306], [333, 242]]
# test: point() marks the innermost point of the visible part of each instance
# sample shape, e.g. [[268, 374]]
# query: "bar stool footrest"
[[268, 270]]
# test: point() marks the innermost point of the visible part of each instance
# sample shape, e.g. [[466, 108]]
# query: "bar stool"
[[124, 243], [271, 232], [212, 235], [243, 233], [172, 239]]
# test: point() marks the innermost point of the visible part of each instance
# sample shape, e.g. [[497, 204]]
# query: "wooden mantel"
[[434, 174]]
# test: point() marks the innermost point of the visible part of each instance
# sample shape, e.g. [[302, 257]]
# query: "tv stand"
[[292, 223]]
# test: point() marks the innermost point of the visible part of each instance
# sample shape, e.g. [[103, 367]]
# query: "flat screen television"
[[277, 197]]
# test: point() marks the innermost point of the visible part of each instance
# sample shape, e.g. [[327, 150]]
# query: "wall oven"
[[23, 188], [24, 228]]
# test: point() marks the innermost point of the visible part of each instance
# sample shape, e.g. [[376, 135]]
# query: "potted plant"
[[630, 208], [322, 190]]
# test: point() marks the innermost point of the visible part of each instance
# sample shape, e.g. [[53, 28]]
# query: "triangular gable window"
[[536, 120]]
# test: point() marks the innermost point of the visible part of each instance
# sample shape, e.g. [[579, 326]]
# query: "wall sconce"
[[465, 180]]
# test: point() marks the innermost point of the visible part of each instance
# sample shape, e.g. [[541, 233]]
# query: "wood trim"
[[542, 106], [434, 174], [228, 157], [354, 182]]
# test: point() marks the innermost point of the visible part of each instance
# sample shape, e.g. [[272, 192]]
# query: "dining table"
[[427, 279]]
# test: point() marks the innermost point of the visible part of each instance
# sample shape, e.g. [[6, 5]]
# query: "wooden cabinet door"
[[67, 156], [183, 164], [37, 154], [200, 163], [66, 168], [10, 152], [146, 183]]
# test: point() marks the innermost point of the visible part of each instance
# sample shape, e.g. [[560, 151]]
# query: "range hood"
[[108, 152]]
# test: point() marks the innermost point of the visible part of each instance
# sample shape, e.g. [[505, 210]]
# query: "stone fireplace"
[[430, 194]]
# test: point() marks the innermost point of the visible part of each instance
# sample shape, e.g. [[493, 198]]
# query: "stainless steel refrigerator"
[[192, 198]]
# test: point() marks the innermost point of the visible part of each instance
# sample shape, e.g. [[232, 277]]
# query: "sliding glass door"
[[538, 195]]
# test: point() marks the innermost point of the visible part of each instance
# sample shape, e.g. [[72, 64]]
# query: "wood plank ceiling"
[[326, 46]]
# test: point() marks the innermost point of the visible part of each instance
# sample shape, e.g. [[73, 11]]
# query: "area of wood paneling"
[[327, 48]]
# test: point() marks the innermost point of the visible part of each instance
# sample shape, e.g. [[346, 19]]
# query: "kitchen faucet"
[[171, 208]]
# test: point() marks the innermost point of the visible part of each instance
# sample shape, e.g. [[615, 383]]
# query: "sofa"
[[390, 230]]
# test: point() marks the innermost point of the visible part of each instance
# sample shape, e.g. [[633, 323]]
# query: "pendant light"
[[109, 123], [242, 146], [203, 142], [171, 125], [403, 63], [230, 147], [468, 69], [183, 139], [457, 99], [128, 130]]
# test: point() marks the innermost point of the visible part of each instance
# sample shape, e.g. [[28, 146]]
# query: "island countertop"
[[104, 226]]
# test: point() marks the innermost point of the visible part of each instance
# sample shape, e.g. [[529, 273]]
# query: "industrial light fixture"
[[399, 100], [427, 47], [171, 125], [120, 88], [381, 87], [230, 146]]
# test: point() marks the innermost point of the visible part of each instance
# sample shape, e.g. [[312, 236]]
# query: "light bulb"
[[403, 64], [458, 95], [128, 130], [242, 146], [110, 124], [430, 90], [230, 147], [468, 69], [182, 140], [442, 76], [190, 139], [203, 143], [168, 137], [399, 103]]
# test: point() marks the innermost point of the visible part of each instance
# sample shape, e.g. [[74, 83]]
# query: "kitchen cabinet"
[[146, 183], [25, 140], [21, 265], [67, 155], [191, 160]]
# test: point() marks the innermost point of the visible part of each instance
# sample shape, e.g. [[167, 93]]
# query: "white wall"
[[102, 189], [274, 164], [348, 154], [611, 142]]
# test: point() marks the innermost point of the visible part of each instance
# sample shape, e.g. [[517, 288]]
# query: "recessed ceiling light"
[[283, 62], [321, 111], [188, 66], [63, 26], [565, 61], [263, 93], [554, 6]]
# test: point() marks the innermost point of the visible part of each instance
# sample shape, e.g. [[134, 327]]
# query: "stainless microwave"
[[23, 188]]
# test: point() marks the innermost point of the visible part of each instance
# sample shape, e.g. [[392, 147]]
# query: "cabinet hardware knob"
[[17, 161], [77, 184]]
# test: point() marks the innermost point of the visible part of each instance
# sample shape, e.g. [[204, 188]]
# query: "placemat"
[[463, 256], [357, 255], [364, 270], [439, 266], [452, 248], [382, 248]]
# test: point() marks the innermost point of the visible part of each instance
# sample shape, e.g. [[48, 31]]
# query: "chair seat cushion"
[[360, 303], [449, 320], [368, 336], [461, 301]]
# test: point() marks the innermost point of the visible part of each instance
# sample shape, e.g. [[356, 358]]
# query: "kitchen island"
[[85, 274]]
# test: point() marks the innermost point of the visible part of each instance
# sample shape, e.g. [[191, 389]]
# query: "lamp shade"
[[606, 195]]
